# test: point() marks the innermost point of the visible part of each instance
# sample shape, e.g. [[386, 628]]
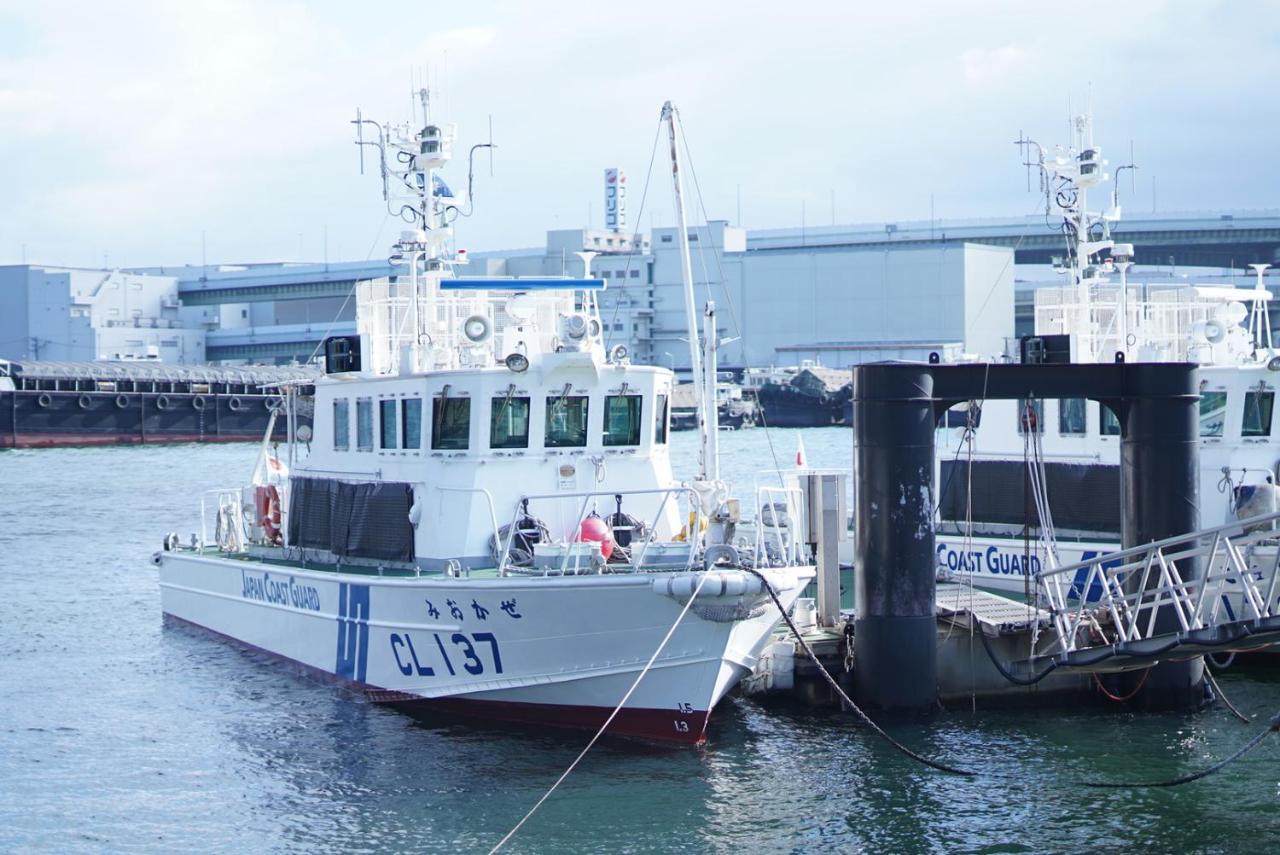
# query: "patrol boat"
[[487, 521], [1029, 485]]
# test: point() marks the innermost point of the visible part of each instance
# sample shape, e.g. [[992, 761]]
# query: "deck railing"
[[637, 553]]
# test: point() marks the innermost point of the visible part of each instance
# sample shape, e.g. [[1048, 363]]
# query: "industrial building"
[[77, 315], [834, 295]]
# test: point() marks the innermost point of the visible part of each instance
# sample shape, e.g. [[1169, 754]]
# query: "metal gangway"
[[1130, 609]]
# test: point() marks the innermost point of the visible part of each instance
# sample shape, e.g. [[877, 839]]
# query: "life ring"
[[272, 403], [122, 401], [44, 400], [85, 402], [266, 505], [162, 402], [198, 402], [234, 405]]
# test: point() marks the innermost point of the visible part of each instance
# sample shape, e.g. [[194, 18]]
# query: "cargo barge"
[[53, 404]]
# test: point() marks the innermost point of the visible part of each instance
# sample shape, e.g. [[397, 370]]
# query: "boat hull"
[[34, 418], [544, 652]]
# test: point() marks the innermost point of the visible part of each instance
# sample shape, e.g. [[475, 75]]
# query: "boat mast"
[[706, 464], [711, 437]]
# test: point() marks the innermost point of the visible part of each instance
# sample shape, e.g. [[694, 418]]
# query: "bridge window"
[[341, 424], [411, 423], [1257, 413], [660, 420], [364, 424], [388, 423], [1071, 416], [566, 421], [1213, 413], [509, 423], [1110, 422], [1030, 415], [451, 421], [622, 420]]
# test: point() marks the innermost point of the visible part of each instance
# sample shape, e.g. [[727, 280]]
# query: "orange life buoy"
[[266, 501]]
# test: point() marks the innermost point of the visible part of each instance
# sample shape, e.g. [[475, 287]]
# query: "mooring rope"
[[826, 675], [1122, 699], [1273, 725], [1235, 712], [626, 697]]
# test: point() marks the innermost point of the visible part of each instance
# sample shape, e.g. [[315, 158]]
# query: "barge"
[[54, 404]]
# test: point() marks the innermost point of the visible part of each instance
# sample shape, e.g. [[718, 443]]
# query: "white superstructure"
[[1066, 452], [487, 519]]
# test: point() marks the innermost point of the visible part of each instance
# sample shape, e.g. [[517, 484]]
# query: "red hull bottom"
[[65, 440], [656, 726], [662, 727]]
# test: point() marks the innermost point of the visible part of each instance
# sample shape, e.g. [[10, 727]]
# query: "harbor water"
[[119, 733]]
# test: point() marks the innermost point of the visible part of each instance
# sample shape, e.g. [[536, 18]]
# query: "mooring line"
[[645, 670], [1273, 725], [866, 719], [1235, 712]]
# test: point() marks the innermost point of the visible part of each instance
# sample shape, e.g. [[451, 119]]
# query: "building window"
[[1257, 413], [509, 423], [619, 274], [660, 420], [1030, 415], [693, 237], [451, 424], [341, 424], [566, 421], [244, 313], [1110, 421], [666, 238], [387, 423], [364, 424], [622, 420], [635, 274], [1213, 413], [411, 423], [1071, 416]]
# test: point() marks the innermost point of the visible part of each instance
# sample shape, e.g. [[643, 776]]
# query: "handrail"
[[1111, 557], [488, 497], [792, 498], [219, 492], [1196, 603], [666, 492]]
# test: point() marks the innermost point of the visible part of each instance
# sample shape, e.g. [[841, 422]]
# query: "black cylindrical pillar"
[[1159, 477], [895, 635]]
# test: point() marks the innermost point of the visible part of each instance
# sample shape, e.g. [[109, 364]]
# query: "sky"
[[144, 133]]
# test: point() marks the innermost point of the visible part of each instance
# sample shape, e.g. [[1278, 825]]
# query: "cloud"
[[134, 126], [984, 66]]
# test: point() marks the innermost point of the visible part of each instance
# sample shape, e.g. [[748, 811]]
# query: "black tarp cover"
[[366, 520], [1083, 497]]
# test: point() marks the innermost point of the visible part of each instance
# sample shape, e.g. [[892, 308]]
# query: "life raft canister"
[[266, 504]]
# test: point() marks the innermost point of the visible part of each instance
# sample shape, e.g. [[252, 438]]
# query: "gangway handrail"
[[1119, 616], [1143, 549]]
